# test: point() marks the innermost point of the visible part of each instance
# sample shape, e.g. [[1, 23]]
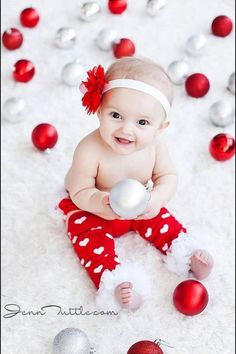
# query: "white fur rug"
[[39, 267]]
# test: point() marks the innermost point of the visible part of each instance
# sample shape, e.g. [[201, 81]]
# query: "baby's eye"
[[143, 122], [115, 115]]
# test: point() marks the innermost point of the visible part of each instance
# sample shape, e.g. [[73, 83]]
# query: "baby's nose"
[[127, 128]]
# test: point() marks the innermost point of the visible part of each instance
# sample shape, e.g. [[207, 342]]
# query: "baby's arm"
[[81, 178]]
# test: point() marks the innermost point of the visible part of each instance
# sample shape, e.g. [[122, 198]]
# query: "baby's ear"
[[165, 124]]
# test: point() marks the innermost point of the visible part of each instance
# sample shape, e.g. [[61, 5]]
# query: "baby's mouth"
[[123, 141]]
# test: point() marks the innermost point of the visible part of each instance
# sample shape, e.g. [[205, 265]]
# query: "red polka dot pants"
[[93, 237]]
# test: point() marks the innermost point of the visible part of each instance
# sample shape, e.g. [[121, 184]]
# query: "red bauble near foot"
[[44, 136], [117, 7], [222, 147], [222, 26], [145, 347], [12, 38], [29, 17], [197, 85], [125, 47], [23, 71]]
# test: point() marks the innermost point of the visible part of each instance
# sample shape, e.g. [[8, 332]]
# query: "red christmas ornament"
[[190, 297], [117, 7], [124, 48], [29, 17], [23, 71], [145, 347], [222, 147], [12, 38], [44, 136], [222, 26], [197, 85]]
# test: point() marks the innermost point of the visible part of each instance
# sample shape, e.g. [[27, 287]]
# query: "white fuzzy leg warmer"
[[178, 256], [105, 298]]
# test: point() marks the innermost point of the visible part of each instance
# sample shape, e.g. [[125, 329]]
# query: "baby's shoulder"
[[90, 144]]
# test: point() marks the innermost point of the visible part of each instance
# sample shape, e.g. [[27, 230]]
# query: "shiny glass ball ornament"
[[222, 26], [222, 147], [65, 38], [222, 113], [13, 110], [12, 38], [190, 297], [29, 17], [231, 83], [178, 71], [23, 70], [72, 73], [124, 47], [44, 136], [154, 6], [129, 198], [71, 341], [89, 11], [145, 347], [196, 44], [197, 85], [117, 7], [105, 38]]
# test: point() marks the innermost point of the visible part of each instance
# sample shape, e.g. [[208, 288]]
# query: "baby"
[[132, 101]]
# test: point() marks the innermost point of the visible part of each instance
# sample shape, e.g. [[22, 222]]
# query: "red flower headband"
[[94, 89]]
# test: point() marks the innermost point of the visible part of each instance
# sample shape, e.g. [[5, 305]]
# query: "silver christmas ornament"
[[178, 71], [89, 11], [71, 341], [106, 37], [13, 110], [222, 113], [231, 83], [72, 73], [65, 37], [154, 6], [196, 44], [129, 198]]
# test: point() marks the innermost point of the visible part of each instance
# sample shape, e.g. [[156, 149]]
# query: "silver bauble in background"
[[196, 44], [231, 83], [153, 7], [129, 198], [71, 341], [65, 38], [72, 73], [222, 113], [178, 71], [89, 11], [105, 38], [13, 109]]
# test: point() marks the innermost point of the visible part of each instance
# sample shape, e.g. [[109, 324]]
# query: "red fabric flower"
[[94, 86]]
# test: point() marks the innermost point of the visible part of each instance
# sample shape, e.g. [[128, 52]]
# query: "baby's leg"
[[182, 250]]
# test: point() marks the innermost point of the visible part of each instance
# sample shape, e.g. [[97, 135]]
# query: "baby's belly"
[[106, 183]]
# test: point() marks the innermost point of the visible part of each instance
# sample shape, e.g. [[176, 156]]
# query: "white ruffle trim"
[[178, 256], [105, 298]]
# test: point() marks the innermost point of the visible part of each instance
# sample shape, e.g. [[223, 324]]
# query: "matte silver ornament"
[[196, 44], [129, 198], [178, 71], [71, 341], [72, 73], [13, 110], [105, 38], [231, 83], [154, 6], [89, 11], [65, 38], [222, 113]]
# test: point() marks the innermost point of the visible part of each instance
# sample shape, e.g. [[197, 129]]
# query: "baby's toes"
[[126, 285]]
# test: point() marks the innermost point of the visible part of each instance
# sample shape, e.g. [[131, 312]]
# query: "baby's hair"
[[141, 69]]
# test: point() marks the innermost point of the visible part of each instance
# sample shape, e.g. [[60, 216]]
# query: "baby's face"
[[129, 120]]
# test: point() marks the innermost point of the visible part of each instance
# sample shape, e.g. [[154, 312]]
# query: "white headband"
[[139, 86]]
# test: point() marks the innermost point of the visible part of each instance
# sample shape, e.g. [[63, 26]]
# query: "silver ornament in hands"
[[222, 113], [105, 39], [89, 11], [231, 83], [13, 110], [71, 341], [196, 44], [65, 38], [129, 198], [72, 73], [154, 6], [178, 71]]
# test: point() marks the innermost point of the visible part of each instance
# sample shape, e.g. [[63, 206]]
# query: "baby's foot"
[[201, 264], [127, 297]]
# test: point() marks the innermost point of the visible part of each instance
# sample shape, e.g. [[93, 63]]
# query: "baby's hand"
[[152, 210], [107, 213]]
